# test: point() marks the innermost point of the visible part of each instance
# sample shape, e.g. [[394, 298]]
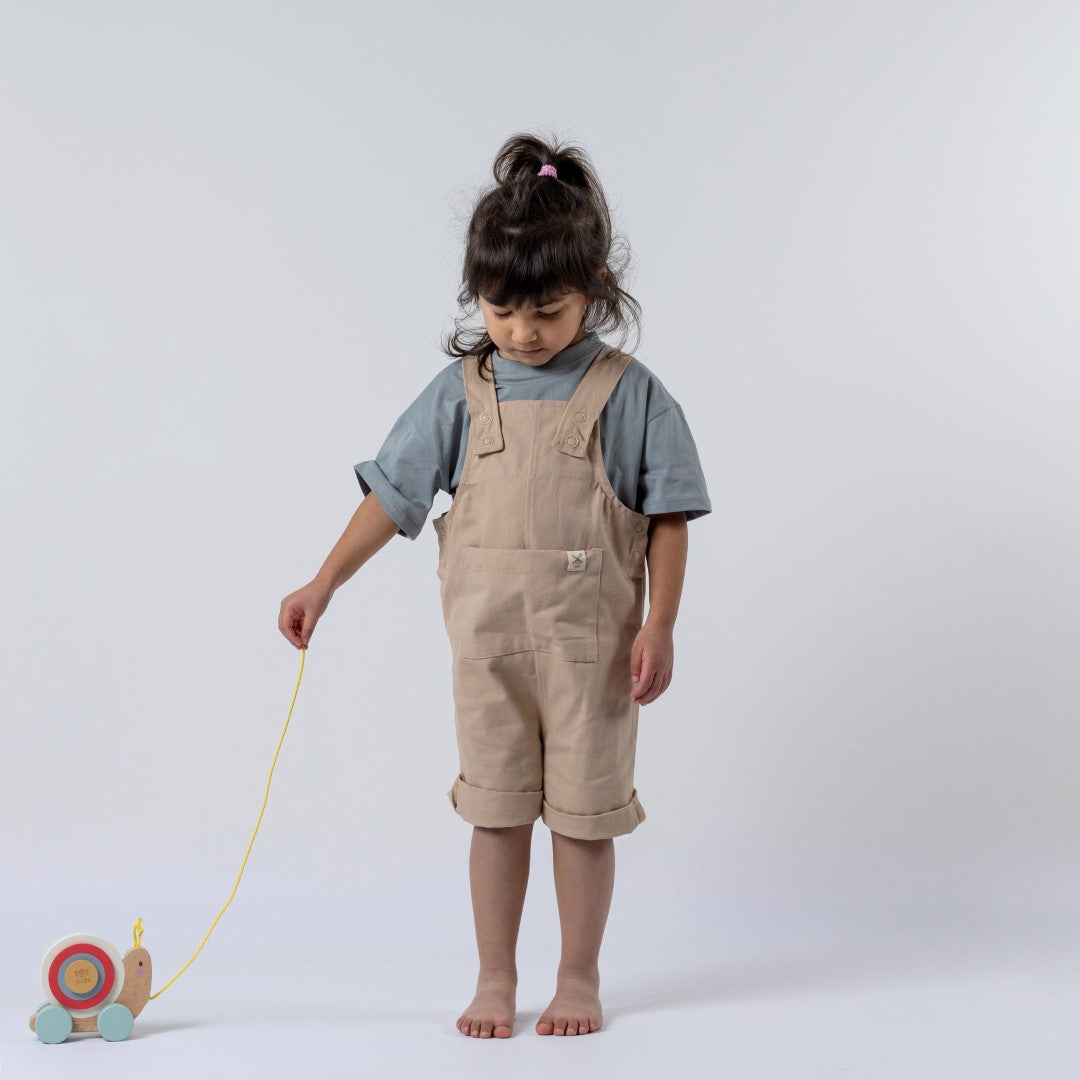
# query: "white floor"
[[319, 976]]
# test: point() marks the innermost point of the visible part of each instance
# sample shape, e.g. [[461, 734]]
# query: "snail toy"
[[91, 988]]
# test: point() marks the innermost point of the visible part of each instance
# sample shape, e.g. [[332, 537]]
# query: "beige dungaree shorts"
[[542, 572]]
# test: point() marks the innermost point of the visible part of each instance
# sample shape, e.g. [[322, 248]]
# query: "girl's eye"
[[543, 315]]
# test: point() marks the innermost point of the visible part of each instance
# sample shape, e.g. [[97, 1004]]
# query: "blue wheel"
[[114, 1022], [53, 1024]]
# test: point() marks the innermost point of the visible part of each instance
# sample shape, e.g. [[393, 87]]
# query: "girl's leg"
[[498, 874], [584, 878]]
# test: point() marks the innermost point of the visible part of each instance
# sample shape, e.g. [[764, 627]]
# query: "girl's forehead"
[[552, 298]]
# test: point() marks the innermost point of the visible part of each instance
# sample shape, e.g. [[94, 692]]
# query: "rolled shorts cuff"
[[494, 809], [595, 826]]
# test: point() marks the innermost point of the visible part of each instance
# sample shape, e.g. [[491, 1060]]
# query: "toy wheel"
[[52, 1024], [115, 1022], [83, 973]]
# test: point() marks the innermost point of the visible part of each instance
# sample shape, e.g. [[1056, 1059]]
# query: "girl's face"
[[534, 335]]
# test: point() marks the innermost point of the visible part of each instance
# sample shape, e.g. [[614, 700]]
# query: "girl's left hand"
[[652, 658]]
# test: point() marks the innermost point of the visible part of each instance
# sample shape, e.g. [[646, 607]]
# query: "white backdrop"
[[231, 241]]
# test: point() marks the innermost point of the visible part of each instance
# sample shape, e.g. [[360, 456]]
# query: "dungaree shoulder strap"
[[588, 401], [486, 427]]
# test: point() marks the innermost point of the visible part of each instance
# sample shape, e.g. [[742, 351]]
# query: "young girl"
[[571, 469]]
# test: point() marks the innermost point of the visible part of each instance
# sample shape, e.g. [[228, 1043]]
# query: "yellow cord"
[[137, 930]]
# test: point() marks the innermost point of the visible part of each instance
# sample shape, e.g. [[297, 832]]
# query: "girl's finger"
[[640, 663], [659, 686], [644, 686]]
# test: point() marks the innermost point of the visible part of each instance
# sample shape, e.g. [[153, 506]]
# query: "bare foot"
[[491, 1012], [575, 1008]]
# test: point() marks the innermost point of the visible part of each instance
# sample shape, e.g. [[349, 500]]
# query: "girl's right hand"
[[301, 610]]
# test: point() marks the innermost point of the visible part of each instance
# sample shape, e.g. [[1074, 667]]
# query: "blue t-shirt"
[[648, 451]]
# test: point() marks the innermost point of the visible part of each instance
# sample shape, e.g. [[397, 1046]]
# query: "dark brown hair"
[[533, 237]]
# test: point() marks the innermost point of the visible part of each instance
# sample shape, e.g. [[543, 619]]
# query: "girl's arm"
[[666, 556], [370, 529], [652, 657]]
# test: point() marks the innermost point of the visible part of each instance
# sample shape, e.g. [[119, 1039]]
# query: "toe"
[[503, 1031], [485, 1029], [560, 1025], [544, 1026], [474, 1029]]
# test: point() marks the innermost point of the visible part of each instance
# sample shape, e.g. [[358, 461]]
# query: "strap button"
[[489, 439], [579, 415], [485, 418], [572, 440], [639, 526]]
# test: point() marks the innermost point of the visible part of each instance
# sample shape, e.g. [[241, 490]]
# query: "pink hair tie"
[[547, 170]]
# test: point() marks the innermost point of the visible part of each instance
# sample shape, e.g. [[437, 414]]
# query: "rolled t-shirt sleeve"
[[404, 475], [670, 478]]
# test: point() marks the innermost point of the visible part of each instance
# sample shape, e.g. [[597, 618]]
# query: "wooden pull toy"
[[91, 988]]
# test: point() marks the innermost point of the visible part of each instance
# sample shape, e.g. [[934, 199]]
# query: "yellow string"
[[137, 930]]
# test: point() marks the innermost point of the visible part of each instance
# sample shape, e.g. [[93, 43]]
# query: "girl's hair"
[[533, 237]]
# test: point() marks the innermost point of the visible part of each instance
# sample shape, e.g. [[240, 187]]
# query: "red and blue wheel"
[[82, 973]]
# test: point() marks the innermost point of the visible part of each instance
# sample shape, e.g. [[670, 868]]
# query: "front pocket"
[[507, 600]]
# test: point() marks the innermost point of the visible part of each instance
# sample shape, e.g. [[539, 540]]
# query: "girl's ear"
[[603, 277]]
